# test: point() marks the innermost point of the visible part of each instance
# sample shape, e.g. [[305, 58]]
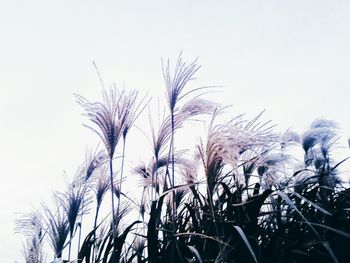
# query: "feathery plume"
[[176, 83], [31, 226], [72, 202], [57, 228], [92, 162], [108, 117], [101, 186], [32, 250]]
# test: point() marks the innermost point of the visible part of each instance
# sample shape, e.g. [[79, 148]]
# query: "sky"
[[289, 57]]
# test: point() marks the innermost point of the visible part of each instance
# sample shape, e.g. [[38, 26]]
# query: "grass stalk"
[[121, 175], [80, 226], [95, 224], [112, 200]]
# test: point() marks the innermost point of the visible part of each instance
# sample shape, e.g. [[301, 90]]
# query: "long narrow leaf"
[[245, 240]]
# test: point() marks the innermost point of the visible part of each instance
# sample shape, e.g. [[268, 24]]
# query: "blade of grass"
[[245, 240]]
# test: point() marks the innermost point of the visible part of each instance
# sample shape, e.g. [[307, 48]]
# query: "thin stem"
[[81, 224], [95, 223], [70, 246], [172, 154], [210, 199], [156, 179], [112, 196], [154, 183], [121, 176], [173, 176]]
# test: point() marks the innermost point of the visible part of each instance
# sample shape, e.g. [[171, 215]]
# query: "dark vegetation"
[[243, 196]]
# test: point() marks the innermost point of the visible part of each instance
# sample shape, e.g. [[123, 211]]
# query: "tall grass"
[[240, 195], [109, 117]]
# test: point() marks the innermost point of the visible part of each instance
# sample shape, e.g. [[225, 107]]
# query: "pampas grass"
[[242, 194], [57, 226], [31, 225], [72, 202]]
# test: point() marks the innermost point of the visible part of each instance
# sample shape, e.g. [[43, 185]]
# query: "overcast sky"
[[291, 58]]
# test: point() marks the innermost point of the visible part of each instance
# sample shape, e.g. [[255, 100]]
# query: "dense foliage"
[[242, 196]]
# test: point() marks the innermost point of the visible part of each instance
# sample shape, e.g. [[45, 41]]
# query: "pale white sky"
[[289, 57]]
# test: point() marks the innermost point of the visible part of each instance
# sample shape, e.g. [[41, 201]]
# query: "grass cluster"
[[241, 196]]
